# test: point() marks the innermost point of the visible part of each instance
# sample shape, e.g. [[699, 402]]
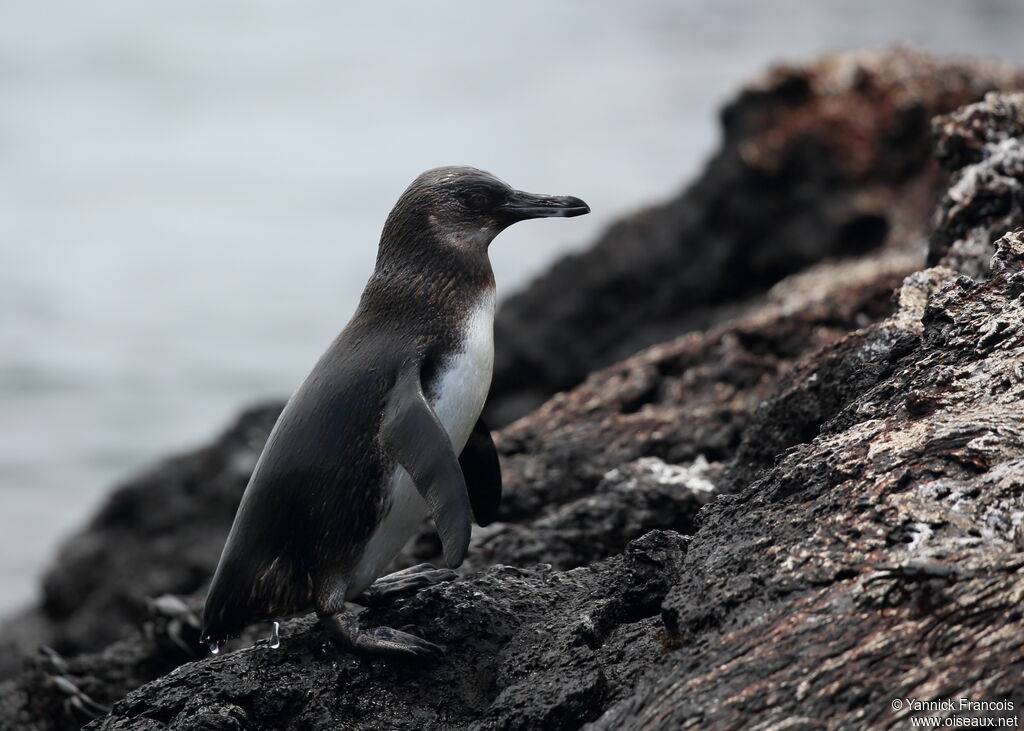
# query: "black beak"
[[521, 206]]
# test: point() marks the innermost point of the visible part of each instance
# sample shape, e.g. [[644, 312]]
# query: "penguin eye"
[[476, 200]]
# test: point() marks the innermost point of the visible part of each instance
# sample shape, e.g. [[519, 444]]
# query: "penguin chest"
[[457, 397], [465, 377]]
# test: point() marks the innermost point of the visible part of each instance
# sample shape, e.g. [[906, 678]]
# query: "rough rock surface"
[[882, 559], [596, 625], [866, 541], [828, 159], [987, 191]]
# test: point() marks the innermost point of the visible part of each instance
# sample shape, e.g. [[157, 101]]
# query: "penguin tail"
[[245, 592], [224, 616]]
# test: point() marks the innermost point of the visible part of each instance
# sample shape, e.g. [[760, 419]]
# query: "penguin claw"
[[379, 640], [405, 582], [395, 643], [420, 568]]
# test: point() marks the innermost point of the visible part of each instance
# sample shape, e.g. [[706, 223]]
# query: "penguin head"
[[469, 207]]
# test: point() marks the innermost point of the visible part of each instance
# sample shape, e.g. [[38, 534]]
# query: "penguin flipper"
[[480, 467], [414, 437]]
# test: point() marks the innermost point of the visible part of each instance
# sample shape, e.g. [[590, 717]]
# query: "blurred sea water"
[[191, 192]]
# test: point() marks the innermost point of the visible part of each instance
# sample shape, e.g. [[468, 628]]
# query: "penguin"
[[386, 428]]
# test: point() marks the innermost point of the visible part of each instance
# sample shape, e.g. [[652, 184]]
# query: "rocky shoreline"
[[785, 487]]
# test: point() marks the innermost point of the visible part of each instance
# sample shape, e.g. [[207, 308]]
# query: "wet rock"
[[827, 159], [526, 648]]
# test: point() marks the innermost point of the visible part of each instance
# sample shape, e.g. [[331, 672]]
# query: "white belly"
[[463, 384]]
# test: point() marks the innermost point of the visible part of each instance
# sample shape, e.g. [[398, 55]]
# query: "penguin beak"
[[522, 206]]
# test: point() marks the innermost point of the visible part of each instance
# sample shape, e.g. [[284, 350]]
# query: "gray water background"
[[191, 191]]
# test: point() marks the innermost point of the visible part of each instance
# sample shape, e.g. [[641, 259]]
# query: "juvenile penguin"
[[370, 443]]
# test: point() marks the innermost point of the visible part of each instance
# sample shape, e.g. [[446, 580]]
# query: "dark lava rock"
[[881, 560], [631, 500], [526, 649], [828, 159]]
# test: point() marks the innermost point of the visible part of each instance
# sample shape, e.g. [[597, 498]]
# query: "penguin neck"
[[428, 279]]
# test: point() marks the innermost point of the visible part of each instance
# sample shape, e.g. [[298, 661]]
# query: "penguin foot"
[[344, 628], [403, 583]]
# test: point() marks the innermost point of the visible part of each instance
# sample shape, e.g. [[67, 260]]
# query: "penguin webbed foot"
[[345, 629], [404, 583]]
